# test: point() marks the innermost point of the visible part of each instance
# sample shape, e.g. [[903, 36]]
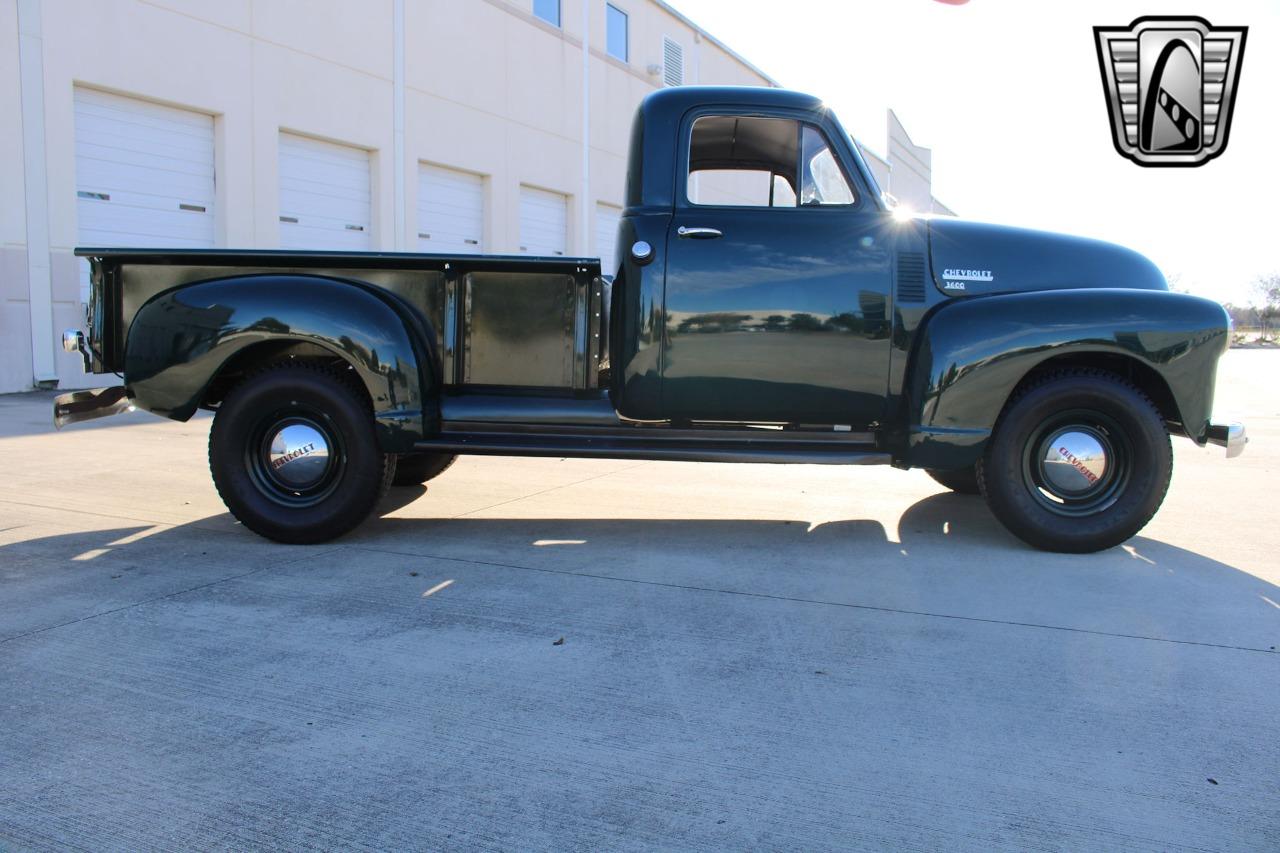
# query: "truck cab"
[[769, 284]]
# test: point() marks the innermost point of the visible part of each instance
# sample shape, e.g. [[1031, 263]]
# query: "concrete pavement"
[[781, 657]]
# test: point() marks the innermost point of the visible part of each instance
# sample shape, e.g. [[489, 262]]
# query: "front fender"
[[181, 338], [973, 353]]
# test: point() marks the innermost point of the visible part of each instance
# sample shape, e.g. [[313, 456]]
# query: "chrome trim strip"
[[449, 366]]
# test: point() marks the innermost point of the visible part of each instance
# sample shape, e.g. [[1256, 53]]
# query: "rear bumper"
[[1231, 436], [88, 405]]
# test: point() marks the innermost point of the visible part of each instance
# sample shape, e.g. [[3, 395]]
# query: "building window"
[[616, 31], [672, 62], [547, 10]]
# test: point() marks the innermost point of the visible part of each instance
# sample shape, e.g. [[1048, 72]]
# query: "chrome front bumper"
[[88, 405], [1231, 436]]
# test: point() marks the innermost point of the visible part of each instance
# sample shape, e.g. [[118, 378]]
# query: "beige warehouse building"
[[387, 125]]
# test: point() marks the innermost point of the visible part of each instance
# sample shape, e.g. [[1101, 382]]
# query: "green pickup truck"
[[765, 306]]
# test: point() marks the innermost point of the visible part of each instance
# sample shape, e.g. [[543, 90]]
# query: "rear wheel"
[[960, 480], [1079, 461], [415, 468], [294, 455]]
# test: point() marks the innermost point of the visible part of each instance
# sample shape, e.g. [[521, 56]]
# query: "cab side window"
[[821, 181], [750, 161]]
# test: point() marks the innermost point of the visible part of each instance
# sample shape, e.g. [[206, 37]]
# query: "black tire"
[[962, 481], [304, 495], [1025, 470], [413, 469]]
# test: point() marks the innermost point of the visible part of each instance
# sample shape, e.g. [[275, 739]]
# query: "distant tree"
[[845, 321], [803, 322], [718, 321], [1267, 291], [1242, 316], [269, 324], [1174, 280]]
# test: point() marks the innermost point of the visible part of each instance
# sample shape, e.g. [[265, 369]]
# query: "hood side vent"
[[910, 277]]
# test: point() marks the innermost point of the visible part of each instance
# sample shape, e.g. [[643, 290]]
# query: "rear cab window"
[[756, 161]]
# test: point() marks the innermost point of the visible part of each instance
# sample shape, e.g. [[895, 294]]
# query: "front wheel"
[[294, 454], [1079, 461]]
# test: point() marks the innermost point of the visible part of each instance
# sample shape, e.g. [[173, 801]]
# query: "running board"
[[655, 448]]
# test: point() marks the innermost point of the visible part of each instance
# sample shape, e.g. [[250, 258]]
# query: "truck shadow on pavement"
[[948, 559]]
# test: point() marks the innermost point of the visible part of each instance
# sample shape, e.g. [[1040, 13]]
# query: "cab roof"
[[680, 99]]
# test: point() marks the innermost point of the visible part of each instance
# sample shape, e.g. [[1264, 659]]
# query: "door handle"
[[699, 233]]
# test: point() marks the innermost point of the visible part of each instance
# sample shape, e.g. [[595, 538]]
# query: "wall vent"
[[911, 277], [672, 62]]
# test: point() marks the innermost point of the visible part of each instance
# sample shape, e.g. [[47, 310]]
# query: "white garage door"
[[144, 175], [450, 211], [607, 218], [324, 195], [544, 222]]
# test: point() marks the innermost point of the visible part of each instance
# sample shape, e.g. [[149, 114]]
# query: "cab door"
[[777, 279]]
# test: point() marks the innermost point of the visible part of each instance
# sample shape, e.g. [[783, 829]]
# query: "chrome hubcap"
[[1078, 463], [1075, 462], [297, 455]]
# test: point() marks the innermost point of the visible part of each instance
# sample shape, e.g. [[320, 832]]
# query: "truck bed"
[[534, 324]]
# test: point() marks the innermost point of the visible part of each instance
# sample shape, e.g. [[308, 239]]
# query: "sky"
[[1008, 95]]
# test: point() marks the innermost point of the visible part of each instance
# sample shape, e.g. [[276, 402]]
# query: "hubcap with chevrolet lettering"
[[1077, 463], [297, 455]]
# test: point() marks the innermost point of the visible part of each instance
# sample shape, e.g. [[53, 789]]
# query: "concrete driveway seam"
[[114, 517], [820, 602]]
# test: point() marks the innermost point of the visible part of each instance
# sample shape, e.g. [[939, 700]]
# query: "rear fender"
[[973, 353], [182, 338]]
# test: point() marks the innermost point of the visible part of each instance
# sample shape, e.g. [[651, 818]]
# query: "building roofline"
[[893, 118], [867, 149], [684, 19]]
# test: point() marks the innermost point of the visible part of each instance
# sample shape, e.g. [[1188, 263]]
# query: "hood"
[[974, 258]]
